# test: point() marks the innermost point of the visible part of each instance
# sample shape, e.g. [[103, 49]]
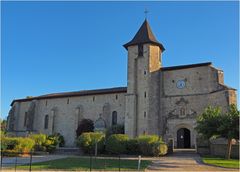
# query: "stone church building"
[[157, 100]]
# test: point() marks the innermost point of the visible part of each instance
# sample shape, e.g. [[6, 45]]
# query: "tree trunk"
[[229, 148]]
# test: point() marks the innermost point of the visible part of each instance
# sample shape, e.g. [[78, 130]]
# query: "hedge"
[[133, 147], [39, 139], [17, 144], [148, 145], [88, 140], [36, 142], [117, 144]]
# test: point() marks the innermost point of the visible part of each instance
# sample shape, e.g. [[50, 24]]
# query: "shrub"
[[24, 145], [40, 140], [117, 144], [17, 144], [86, 125], [51, 143], [8, 143], [159, 148], [61, 140], [146, 143], [88, 140], [133, 147], [115, 129]]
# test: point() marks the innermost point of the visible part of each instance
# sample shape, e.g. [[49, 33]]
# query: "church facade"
[[157, 100]]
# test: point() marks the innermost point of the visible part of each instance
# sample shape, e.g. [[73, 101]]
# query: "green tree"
[[229, 127], [3, 125], [213, 123], [85, 125]]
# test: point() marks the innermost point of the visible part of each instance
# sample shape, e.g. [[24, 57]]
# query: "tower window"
[[145, 114], [140, 50], [116, 97], [46, 122], [114, 118], [145, 72], [46, 103], [25, 120], [145, 94], [67, 101], [93, 98]]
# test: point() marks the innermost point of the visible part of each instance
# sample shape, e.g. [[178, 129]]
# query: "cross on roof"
[[146, 11]]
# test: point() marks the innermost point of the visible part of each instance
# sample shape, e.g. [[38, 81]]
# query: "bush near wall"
[[133, 147], [36, 142], [17, 144], [117, 144], [87, 141], [148, 145], [39, 139]]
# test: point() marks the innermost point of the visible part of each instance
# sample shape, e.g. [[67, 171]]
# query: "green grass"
[[228, 163], [76, 163]]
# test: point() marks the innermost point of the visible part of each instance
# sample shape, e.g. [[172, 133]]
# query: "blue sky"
[[69, 46]]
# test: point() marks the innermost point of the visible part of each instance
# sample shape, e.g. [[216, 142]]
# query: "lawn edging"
[[206, 158]]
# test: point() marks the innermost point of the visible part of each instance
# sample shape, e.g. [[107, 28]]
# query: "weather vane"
[[146, 12]]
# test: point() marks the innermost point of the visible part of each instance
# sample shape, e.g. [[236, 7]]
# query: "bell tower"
[[142, 98]]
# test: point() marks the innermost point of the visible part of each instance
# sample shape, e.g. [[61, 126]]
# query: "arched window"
[[46, 122], [25, 120], [114, 118]]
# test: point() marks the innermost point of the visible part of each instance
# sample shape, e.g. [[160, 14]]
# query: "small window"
[[145, 114], [93, 98], [67, 101], [25, 120], [46, 103], [116, 97], [145, 72], [114, 118], [140, 50], [145, 94], [46, 122]]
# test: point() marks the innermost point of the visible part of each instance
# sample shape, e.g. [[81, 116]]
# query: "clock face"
[[181, 84]]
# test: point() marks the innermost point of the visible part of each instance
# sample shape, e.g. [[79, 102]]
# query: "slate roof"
[[185, 66], [75, 93], [144, 35]]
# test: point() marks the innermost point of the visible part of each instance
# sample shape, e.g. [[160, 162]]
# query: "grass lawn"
[[231, 163], [76, 163]]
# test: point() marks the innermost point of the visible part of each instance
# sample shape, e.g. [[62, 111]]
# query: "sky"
[[49, 47]]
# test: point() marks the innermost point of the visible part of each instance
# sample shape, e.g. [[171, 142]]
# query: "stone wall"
[[65, 113], [216, 147], [179, 107]]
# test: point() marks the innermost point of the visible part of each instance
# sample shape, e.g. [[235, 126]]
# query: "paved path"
[[183, 161], [10, 161]]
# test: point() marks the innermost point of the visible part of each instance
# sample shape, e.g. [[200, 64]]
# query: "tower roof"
[[144, 35]]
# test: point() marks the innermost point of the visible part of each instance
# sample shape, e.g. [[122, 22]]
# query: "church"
[[157, 100]]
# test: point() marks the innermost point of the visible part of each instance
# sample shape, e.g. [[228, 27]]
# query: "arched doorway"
[[183, 138]]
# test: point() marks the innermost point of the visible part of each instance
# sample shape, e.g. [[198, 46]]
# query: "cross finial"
[[146, 12]]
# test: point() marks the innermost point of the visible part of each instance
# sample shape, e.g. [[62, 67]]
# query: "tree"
[[229, 127], [3, 125], [85, 125], [213, 123]]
